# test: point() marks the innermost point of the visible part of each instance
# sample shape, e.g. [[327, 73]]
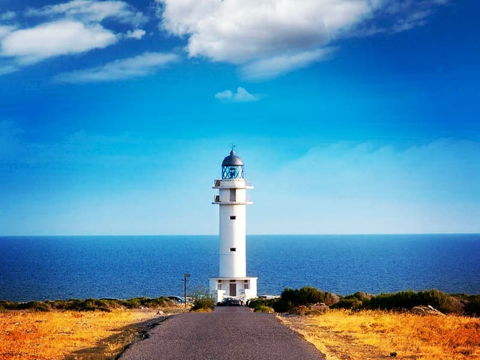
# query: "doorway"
[[233, 289]]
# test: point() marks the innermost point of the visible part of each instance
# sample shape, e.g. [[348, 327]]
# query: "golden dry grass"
[[342, 334], [53, 335]]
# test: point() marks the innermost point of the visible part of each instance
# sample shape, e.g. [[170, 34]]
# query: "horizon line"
[[257, 234]]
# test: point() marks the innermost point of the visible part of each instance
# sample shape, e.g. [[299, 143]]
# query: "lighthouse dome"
[[232, 160]]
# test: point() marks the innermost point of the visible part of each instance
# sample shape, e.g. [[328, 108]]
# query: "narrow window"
[[246, 285], [233, 195], [233, 217], [219, 285], [233, 249]]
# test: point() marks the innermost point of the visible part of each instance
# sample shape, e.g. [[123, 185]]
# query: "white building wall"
[[220, 288], [232, 250]]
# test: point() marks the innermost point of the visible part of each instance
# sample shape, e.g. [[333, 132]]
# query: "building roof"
[[232, 160]]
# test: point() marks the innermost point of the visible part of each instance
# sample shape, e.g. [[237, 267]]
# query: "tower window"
[[233, 217], [233, 249], [233, 195]]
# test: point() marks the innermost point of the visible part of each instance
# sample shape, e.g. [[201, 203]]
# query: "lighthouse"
[[232, 280]]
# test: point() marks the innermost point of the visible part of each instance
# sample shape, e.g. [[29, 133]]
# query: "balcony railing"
[[231, 184]]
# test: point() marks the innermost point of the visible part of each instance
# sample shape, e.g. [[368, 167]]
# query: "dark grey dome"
[[232, 160]]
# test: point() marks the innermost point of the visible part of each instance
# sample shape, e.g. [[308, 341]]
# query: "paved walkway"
[[227, 333]]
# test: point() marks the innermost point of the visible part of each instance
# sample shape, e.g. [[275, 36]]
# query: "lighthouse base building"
[[237, 288], [232, 281]]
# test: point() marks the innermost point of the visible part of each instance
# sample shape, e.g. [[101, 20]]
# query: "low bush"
[[105, 305], [354, 301], [139, 302], [472, 305], [263, 308], [31, 305], [203, 303], [261, 302], [293, 298], [405, 300], [349, 303]]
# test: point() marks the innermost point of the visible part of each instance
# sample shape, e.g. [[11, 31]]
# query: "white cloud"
[[69, 28], [140, 65], [288, 33], [5, 29], [7, 69], [53, 39], [240, 95], [271, 67], [136, 34], [92, 11], [8, 15]]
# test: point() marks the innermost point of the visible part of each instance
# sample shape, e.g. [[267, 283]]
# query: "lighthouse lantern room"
[[232, 280]]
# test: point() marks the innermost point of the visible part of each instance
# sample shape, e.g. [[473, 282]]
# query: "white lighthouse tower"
[[232, 280]]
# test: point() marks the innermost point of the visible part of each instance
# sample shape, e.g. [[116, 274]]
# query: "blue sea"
[[129, 266]]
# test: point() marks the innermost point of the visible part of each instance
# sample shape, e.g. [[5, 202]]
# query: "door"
[[233, 289]]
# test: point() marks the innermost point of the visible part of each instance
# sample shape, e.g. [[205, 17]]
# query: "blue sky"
[[352, 116]]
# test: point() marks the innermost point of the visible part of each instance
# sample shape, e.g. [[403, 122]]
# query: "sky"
[[352, 116]]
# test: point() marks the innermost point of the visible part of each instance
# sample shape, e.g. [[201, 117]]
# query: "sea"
[[64, 267]]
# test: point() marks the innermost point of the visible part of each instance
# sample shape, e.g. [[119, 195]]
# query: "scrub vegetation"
[[203, 304], [105, 305], [90, 329], [377, 334], [295, 300], [52, 335]]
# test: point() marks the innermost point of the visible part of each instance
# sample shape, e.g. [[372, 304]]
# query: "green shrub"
[[408, 299], [261, 302], [203, 303], [349, 303], [263, 308], [87, 304], [30, 305], [353, 301], [292, 298], [472, 305]]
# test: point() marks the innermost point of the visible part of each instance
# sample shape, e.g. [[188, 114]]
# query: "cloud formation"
[[141, 65], [67, 28], [8, 15], [240, 95], [92, 11], [268, 37], [53, 39], [135, 34]]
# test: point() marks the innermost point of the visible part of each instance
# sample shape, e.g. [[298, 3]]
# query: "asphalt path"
[[227, 333]]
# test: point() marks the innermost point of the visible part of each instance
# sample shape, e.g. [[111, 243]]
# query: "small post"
[[185, 279]]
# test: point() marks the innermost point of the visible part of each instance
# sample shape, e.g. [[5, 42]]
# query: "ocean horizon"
[[63, 267]]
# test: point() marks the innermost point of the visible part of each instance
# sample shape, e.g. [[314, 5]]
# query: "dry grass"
[[342, 334], [54, 335]]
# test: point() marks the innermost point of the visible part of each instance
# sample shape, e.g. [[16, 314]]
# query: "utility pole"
[[185, 279]]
